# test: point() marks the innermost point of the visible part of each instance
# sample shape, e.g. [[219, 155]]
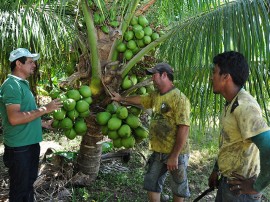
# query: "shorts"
[[157, 171]]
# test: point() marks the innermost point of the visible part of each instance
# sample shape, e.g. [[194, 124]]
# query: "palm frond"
[[239, 25], [37, 26]]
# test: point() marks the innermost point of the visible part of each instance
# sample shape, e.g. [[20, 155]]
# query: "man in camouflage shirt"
[[169, 129], [243, 159]]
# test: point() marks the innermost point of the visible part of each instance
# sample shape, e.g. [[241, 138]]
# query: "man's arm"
[[262, 142], [135, 100], [16, 116], [181, 138], [254, 185], [213, 178]]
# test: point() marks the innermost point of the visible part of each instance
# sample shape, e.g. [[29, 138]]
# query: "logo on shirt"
[[164, 108]]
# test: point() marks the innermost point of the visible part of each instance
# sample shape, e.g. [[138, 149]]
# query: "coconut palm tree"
[[190, 32]]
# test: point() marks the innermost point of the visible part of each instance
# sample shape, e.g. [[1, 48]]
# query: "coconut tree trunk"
[[89, 156]]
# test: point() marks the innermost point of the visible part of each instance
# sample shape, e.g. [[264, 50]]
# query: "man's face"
[[28, 67], [156, 78], [217, 80]]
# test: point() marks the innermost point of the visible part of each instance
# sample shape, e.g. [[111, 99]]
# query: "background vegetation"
[[75, 51]]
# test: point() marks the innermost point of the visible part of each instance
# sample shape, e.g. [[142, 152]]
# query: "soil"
[[200, 165], [197, 182]]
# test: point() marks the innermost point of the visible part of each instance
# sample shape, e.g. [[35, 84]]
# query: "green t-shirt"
[[17, 91], [169, 111], [240, 120]]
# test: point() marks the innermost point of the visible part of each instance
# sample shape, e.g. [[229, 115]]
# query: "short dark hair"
[[13, 64], [235, 64]]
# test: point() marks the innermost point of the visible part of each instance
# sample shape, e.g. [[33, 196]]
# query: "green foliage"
[[118, 186], [80, 194], [52, 28], [195, 32], [193, 52]]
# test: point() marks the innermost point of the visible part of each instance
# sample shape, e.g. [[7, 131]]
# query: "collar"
[[235, 97], [17, 78], [168, 91]]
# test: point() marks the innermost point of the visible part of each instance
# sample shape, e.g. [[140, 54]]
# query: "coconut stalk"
[[142, 10], [95, 83], [89, 156]]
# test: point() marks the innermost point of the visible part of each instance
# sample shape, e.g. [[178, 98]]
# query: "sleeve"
[[262, 142], [146, 100], [183, 106], [250, 121], [11, 94]]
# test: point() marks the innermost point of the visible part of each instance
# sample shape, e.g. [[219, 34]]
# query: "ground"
[[116, 167], [117, 181]]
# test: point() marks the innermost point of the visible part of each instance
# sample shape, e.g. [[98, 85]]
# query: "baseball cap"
[[159, 68], [22, 52]]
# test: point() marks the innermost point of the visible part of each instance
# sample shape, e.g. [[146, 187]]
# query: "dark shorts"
[[157, 171], [225, 195]]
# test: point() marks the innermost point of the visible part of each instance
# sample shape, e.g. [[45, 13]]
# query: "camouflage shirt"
[[169, 111], [241, 119]]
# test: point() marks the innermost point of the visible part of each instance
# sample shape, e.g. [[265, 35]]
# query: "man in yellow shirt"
[[244, 138], [169, 130]]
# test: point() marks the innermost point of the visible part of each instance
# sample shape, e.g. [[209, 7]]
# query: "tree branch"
[[145, 7]]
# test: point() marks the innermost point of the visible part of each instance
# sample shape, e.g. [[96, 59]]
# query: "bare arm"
[[135, 100], [16, 116], [181, 138]]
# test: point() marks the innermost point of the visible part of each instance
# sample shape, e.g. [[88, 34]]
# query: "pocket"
[[183, 159], [8, 158], [179, 175], [150, 162], [151, 159]]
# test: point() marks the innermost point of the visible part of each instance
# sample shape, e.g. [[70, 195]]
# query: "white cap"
[[22, 52]]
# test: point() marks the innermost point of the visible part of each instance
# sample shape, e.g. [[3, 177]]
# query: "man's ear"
[[18, 63], [164, 75], [227, 77]]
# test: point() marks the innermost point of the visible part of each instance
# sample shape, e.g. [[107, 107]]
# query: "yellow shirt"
[[240, 120], [169, 111]]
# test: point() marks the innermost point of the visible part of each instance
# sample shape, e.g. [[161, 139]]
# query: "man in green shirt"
[[169, 129], [243, 159], [22, 125]]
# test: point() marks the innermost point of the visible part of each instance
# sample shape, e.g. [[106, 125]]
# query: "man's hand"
[[172, 163], [213, 179], [47, 124], [240, 185], [53, 105], [116, 97]]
